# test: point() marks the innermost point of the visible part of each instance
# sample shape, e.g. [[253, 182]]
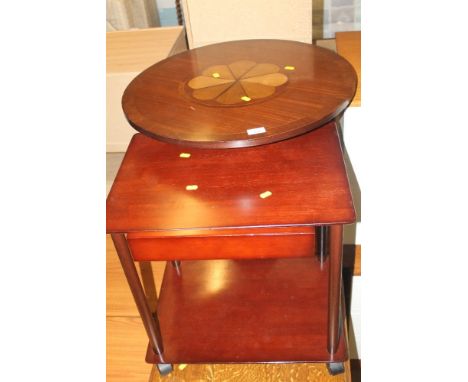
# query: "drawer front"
[[222, 247]]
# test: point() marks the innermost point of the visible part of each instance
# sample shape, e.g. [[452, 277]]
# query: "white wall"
[[212, 21]]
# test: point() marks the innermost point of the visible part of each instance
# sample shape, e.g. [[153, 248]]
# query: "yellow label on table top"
[[266, 194]]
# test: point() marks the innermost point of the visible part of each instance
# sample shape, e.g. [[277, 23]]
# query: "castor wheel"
[[335, 368], [164, 368]]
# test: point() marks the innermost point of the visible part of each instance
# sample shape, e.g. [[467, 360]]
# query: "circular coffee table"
[[240, 93]]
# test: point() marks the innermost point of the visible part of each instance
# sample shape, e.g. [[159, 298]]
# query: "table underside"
[[224, 311]]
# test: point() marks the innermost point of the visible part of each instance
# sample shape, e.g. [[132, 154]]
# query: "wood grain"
[[222, 311], [335, 288], [306, 176], [150, 320], [348, 45], [357, 261], [119, 299], [158, 102], [126, 344], [294, 372], [239, 243], [220, 85]]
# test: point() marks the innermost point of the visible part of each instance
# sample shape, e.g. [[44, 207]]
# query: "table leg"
[[176, 265], [334, 286], [150, 321], [322, 234]]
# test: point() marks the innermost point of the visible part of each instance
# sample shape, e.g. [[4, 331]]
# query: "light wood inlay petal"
[[233, 95], [211, 92], [237, 83], [220, 71], [239, 68], [201, 82], [261, 69], [257, 90], [275, 79]]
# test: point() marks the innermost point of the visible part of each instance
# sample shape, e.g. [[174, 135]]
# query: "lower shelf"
[[226, 311]]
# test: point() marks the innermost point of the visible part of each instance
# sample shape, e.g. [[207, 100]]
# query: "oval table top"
[[240, 93]]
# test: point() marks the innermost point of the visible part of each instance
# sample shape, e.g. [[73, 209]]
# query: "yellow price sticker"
[[266, 194]]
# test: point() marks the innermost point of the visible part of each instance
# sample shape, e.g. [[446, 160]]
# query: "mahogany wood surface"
[[305, 175], [214, 95], [335, 287], [223, 311], [227, 244], [126, 343]]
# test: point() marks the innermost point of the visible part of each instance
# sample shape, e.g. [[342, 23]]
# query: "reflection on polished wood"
[[126, 345], [286, 87], [222, 311], [238, 243], [149, 192], [237, 87]]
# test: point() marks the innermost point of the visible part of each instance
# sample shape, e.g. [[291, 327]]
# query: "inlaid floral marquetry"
[[239, 83], [239, 94]]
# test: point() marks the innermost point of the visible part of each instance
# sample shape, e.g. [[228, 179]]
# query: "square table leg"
[[334, 286], [150, 321]]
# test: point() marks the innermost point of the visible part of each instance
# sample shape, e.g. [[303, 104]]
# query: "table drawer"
[[223, 244]]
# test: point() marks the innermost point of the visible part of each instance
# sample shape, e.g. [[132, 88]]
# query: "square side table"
[[254, 240]]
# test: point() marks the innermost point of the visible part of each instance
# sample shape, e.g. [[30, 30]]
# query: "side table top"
[[296, 182], [240, 93]]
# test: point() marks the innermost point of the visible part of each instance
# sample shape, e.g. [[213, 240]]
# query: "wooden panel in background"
[[352, 258], [135, 50], [119, 299], [348, 45], [126, 346], [127, 54]]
